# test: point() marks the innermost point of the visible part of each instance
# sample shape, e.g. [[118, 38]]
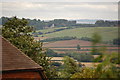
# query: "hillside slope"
[[107, 33]]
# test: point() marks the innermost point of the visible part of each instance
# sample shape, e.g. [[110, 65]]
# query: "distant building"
[[52, 26], [16, 65]]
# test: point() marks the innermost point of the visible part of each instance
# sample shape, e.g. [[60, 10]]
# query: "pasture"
[[107, 33]]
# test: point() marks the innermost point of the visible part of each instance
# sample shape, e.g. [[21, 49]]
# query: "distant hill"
[[41, 24], [107, 33]]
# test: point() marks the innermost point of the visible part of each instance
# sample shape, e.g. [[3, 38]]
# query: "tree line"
[[41, 24]]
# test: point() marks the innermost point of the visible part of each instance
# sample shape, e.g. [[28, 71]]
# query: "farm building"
[[16, 65]]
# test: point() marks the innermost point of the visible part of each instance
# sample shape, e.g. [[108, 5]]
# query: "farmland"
[[50, 29], [70, 46], [107, 33]]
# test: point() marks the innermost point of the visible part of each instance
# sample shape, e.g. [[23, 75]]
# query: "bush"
[[56, 64], [58, 39], [51, 53]]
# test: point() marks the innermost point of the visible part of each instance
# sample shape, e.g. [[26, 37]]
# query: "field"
[[67, 46], [70, 46], [107, 33], [71, 43], [50, 29]]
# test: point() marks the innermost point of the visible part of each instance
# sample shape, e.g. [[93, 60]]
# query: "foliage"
[[78, 47], [56, 64], [16, 31], [70, 67], [116, 41], [98, 59], [84, 57], [96, 38], [106, 69], [51, 53], [86, 39], [58, 39], [106, 23], [39, 24], [85, 73]]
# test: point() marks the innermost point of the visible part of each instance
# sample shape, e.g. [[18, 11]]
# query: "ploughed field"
[[71, 45]]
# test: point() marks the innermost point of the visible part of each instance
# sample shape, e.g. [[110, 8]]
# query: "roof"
[[14, 59]]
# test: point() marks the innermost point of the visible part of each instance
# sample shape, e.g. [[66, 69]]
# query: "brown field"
[[64, 52], [71, 43], [83, 48]]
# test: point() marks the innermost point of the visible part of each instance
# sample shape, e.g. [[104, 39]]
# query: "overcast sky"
[[61, 10], [62, 0]]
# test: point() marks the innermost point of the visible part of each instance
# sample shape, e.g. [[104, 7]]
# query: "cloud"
[[67, 10], [61, 0]]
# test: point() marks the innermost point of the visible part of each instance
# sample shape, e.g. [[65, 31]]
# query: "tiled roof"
[[14, 59]]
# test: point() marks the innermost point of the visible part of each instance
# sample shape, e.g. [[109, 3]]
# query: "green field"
[[50, 29], [107, 33]]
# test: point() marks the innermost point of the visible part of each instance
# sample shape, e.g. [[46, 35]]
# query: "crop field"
[[68, 46], [71, 44], [107, 33]]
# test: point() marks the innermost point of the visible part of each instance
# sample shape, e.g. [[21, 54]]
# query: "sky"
[[61, 0], [61, 9]]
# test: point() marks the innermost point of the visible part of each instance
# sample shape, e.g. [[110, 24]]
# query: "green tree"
[[70, 67], [56, 64], [96, 38], [16, 31], [116, 41], [78, 47], [106, 69]]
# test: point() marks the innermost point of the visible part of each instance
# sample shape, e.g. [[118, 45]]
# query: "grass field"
[[50, 29], [107, 33]]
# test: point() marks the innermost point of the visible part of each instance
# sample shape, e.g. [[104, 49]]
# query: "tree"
[[70, 67], [56, 64], [116, 41], [96, 38], [106, 69], [16, 31], [78, 47]]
